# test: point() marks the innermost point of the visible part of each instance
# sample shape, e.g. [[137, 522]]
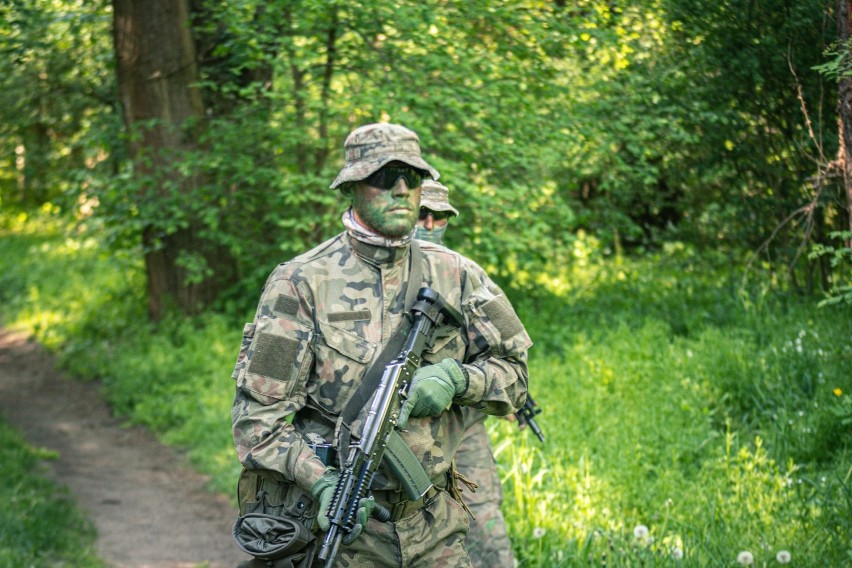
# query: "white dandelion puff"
[[677, 553], [641, 531], [538, 532], [783, 557], [745, 558]]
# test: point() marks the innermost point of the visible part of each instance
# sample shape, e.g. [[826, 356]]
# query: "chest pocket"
[[341, 359], [274, 357]]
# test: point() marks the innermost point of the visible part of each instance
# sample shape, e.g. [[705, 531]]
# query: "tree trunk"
[[163, 111], [844, 111]]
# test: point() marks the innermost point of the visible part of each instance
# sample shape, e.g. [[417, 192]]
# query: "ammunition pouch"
[[276, 520]]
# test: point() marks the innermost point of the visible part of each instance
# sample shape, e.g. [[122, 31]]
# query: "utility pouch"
[[276, 520]]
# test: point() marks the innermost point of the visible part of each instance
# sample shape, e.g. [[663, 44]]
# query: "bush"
[[688, 419]]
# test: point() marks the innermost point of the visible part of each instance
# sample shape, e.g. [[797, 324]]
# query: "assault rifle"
[[526, 417], [365, 456]]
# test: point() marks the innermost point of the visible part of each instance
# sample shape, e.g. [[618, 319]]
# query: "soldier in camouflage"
[[324, 316], [487, 541]]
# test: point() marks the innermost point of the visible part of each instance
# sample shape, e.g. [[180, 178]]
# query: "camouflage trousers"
[[487, 541], [428, 537]]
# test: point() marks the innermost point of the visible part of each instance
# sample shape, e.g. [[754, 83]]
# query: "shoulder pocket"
[[278, 357], [242, 358], [497, 322]]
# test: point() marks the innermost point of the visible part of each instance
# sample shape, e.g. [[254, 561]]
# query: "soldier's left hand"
[[432, 390], [323, 491]]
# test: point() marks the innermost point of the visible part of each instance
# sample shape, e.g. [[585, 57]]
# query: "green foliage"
[[766, 120], [56, 98], [840, 258], [720, 426], [39, 524], [47, 286], [635, 124], [705, 418], [175, 381]]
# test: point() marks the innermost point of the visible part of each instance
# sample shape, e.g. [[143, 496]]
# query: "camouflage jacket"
[[321, 319]]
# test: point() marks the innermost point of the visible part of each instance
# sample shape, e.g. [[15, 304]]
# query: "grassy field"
[[39, 525], [689, 422]]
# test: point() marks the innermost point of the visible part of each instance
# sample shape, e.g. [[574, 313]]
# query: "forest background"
[[662, 187]]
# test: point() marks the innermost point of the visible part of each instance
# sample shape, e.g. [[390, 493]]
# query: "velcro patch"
[[274, 356], [286, 305], [357, 315], [501, 314]]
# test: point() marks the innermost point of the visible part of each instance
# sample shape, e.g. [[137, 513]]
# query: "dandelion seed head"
[[538, 532], [745, 558], [677, 553], [641, 531], [783, 557]]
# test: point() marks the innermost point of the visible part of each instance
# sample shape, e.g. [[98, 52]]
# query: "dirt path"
[[150, 509]]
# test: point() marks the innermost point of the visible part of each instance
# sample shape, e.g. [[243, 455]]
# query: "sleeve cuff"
[[309, 470], [475, 385]]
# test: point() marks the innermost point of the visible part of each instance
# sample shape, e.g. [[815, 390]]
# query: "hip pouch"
[[276, 520]]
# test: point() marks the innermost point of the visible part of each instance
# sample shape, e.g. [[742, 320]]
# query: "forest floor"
[[151, 510]]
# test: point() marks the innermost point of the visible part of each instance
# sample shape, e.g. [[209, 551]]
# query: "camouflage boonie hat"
[[370, 147], [436, 196]]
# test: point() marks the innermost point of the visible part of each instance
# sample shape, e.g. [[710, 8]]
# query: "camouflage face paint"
[[435, 235], [389, 212]]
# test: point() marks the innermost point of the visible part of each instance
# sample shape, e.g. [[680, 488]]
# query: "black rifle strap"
[[359, 399]]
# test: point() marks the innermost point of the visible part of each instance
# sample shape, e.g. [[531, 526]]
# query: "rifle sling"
[[398, 455], [405, 465]]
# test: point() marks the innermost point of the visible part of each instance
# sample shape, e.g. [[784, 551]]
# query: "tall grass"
[[688, 421], [703, 420], [39, 524]]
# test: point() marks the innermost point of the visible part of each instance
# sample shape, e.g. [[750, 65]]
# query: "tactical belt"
[[401, 507]]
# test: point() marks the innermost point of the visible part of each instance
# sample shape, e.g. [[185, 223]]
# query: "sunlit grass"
[[39, 524], [688, 420]]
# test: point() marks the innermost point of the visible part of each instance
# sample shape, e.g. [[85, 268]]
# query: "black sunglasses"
[[387, 177], [436, 215]]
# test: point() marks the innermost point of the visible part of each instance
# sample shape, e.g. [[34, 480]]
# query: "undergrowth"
[[689, 422]]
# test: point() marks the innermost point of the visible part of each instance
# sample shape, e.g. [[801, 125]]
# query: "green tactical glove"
[[323, 491], [432, 390]]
